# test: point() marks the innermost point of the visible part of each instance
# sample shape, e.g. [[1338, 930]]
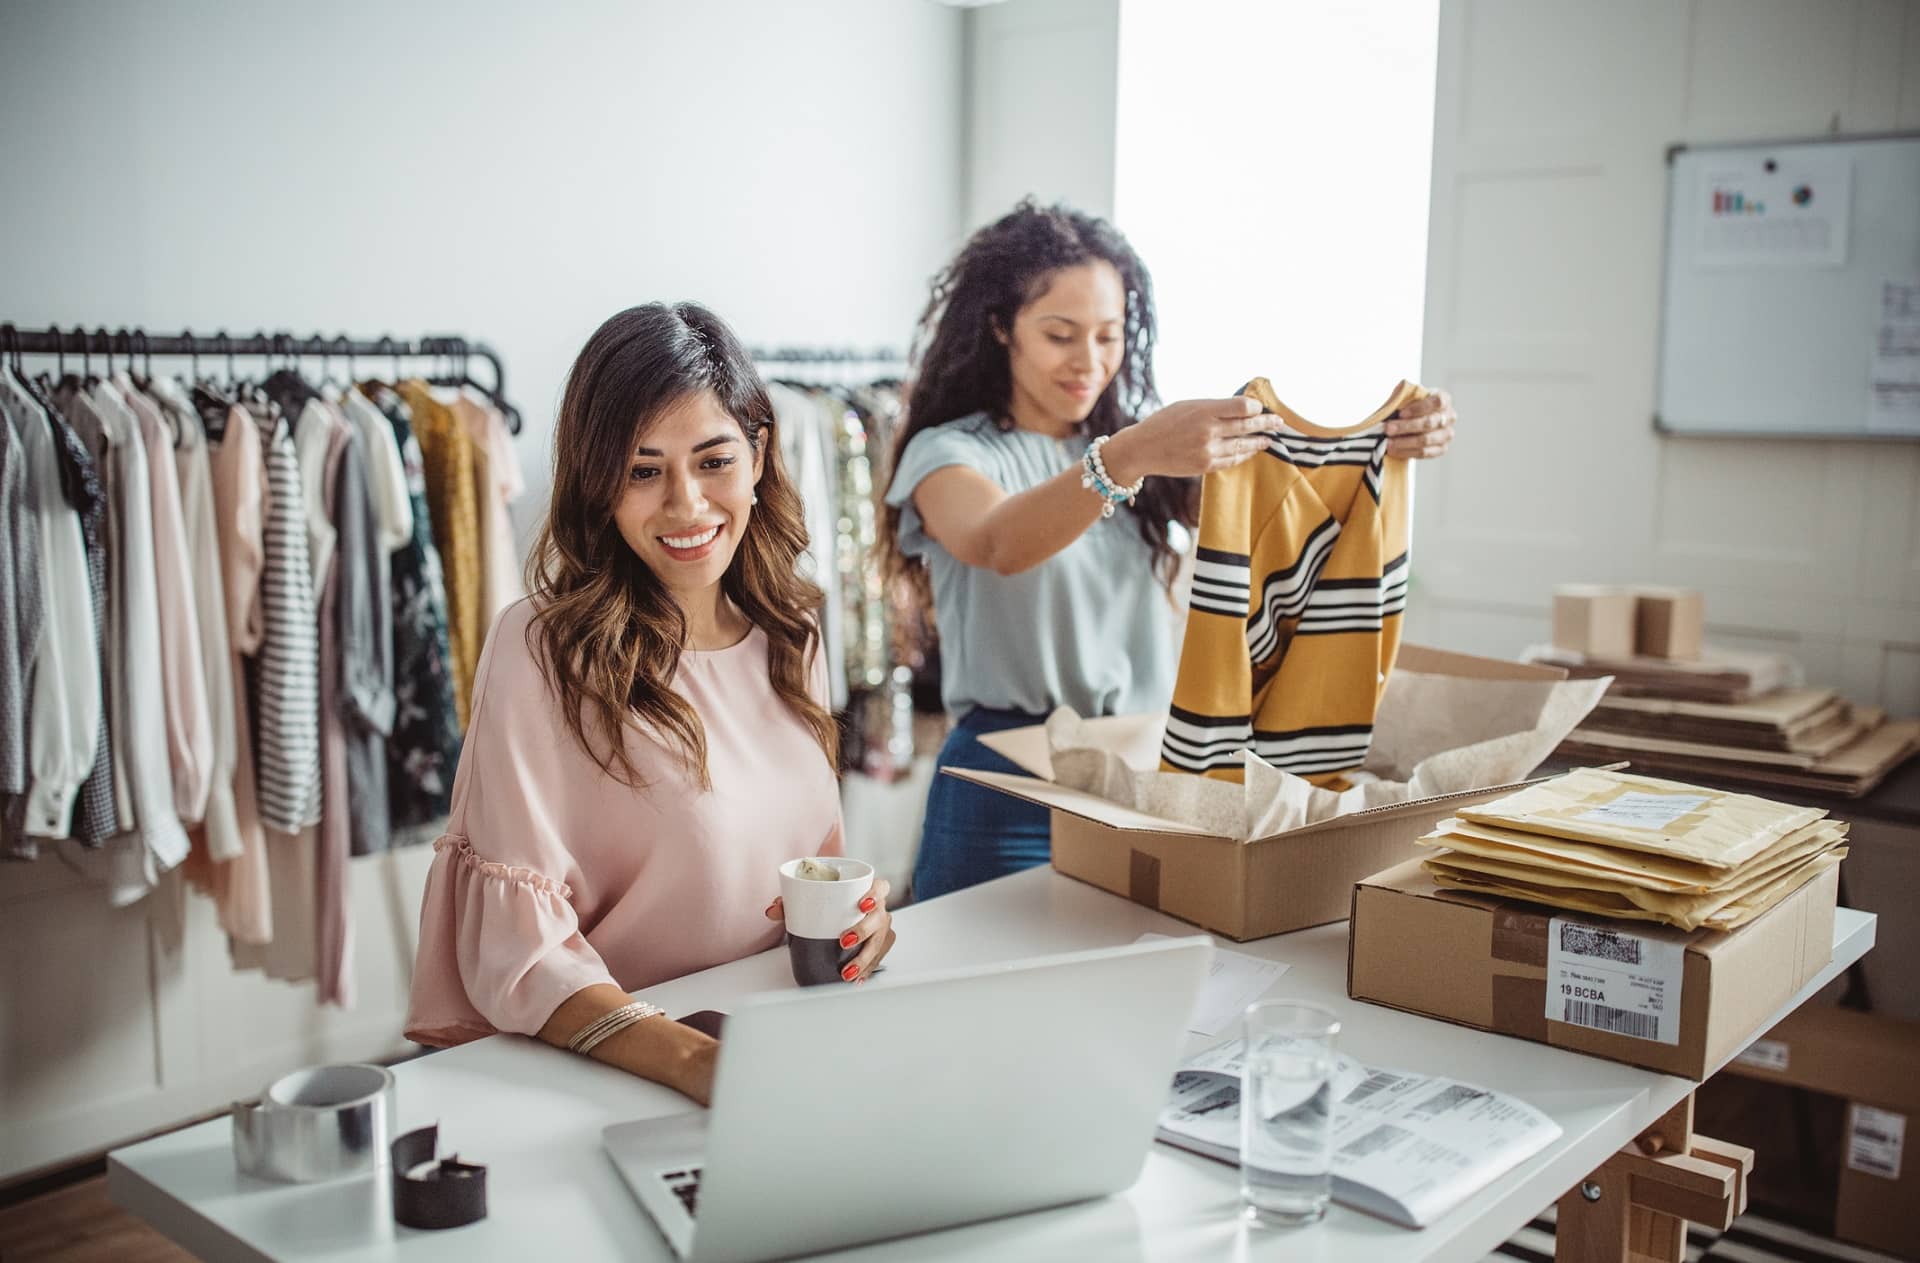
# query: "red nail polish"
[[849, 939], [849, 972], [867, 904]]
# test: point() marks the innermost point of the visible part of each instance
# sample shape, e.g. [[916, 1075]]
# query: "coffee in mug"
[[822, 897]]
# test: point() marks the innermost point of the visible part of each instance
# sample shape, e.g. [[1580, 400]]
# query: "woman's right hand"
[[1188, 439]]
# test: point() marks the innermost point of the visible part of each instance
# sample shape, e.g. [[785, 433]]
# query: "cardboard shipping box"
[[1242, 889], [1490, 963], [1870, 1061]]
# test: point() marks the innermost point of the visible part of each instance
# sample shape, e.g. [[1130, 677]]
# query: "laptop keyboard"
[[685, 1185]]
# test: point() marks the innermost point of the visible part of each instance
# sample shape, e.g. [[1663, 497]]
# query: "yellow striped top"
[[1299, 585]]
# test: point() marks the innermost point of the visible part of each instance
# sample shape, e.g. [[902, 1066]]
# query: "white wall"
[[490, 169], [1041, 89], [1549, 195], [1272, 171], [512, 172]]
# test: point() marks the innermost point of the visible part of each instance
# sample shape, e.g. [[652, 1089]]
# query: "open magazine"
[[1406, 1147]]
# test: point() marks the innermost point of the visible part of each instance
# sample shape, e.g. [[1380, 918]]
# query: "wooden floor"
[[79, 1224]]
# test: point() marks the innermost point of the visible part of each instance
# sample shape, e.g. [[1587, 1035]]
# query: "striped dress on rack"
[[286, 671]]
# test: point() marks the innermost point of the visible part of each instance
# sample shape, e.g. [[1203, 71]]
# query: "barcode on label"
[[1878, 1137], [1385, 1136], [1445, 1099], [1602, 1017], [1582, 940], [1376, 1082]]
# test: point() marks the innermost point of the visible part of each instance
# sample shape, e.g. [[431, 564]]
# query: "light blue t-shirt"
[[1089, 627]]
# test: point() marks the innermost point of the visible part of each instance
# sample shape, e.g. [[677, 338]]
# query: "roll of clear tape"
[[318, 1124]]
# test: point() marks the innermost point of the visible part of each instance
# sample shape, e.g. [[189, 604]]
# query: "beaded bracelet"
[[1095, 478]]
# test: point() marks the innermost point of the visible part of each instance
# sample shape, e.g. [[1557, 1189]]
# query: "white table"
[[533, 1114]]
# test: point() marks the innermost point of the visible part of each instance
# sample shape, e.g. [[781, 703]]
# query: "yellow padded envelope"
[[1598, 903], [1651, 872], [1688, 911], [1712, 827]]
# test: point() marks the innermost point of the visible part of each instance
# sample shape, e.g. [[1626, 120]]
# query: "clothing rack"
[[824, 355], [454, 351], [825, 366]]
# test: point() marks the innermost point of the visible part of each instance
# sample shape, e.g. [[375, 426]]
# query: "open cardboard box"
[[1242, 889]]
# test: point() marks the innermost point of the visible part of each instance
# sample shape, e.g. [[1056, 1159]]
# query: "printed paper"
[[1646, 811], [1765, 1054], [1608, 980], [1773, 212], [1874, 1141], [1406, 1146], [1235, 981], [1894, 373]]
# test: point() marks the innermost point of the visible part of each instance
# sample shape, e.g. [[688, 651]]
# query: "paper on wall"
[[1765, 211], [1894, 381]]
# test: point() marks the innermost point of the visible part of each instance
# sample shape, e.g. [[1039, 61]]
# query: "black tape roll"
[[448, 1195]]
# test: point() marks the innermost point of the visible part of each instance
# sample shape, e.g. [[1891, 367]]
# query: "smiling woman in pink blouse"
[[649, 737]]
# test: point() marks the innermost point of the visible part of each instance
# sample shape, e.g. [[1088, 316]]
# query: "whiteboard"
[[1791, 299]]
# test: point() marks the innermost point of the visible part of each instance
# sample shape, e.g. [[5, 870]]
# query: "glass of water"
[[1286, 1112]]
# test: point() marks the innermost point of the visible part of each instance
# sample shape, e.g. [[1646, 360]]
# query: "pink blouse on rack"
[[554, 876]]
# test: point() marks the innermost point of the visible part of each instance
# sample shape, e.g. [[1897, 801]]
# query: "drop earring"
[[755, 500]]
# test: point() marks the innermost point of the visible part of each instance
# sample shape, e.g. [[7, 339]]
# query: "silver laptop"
[[844, 1115]]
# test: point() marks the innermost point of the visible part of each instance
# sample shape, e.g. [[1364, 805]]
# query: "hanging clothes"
[[183, 678], [129, 865], [1299, 584], [65, 460], [334, 948], [202, 605], [219, 835], [363, 628], [286, 671], [497, 482], [239, 886], [448, 455], [424, 747], [806, 449], [21, 613]]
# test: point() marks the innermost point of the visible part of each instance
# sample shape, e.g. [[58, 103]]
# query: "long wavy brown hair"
[[961, 364], [607, 633]]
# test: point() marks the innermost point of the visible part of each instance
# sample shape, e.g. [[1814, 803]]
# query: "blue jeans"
[[974, 834]]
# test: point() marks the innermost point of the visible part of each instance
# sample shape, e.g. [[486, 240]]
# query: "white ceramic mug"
[[818, 913]]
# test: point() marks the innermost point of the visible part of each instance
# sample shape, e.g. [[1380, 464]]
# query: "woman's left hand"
[[874, 930], [1422, 429]]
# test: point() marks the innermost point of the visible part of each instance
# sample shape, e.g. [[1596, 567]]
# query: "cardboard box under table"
[[1869, 1061], [1489, 962], [1241, 889]]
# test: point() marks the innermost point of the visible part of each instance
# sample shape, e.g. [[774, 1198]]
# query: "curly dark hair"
[[961, 365]]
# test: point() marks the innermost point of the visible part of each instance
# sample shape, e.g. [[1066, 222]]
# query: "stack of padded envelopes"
[[1619, 845]]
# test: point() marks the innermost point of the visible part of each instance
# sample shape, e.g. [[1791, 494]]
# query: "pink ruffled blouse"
[[554, 876]]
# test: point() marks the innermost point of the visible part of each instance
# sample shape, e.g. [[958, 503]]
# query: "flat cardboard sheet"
[[1850, 771], [1717, 675], [1814, 722], [1717, 828], [1809, 754]]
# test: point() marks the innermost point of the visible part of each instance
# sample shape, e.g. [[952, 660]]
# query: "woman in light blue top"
[[1035, 486]]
